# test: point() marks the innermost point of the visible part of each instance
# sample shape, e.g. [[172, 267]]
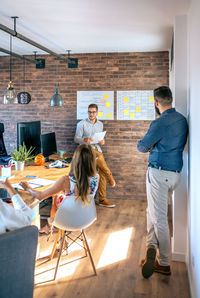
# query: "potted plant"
[[21, 156]]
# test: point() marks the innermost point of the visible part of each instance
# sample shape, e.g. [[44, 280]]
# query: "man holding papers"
[[90, 131]]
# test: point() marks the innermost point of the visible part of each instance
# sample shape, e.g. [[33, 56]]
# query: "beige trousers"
[[104, 174], [159, 185]]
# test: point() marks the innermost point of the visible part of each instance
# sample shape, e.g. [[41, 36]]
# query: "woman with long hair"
[[82, 182]]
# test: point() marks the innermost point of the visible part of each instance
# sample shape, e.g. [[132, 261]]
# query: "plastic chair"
[[73, 216]]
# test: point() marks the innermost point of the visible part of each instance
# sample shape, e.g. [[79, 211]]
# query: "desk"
[[40, 172]]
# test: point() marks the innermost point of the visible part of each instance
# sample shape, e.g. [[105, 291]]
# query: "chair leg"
[[60, 252], [90, 255], [55, 243], [85, 249]]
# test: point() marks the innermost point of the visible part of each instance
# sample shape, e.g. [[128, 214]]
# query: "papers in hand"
[[35, 183], [97, 137]]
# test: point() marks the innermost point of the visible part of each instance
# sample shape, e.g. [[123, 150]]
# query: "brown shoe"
[[162, 269], [111, 181], [105, 203], [148, 263]]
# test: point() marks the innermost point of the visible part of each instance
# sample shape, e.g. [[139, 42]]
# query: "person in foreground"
[[84, 133], [165, 140], [81, 182], [13, 218]]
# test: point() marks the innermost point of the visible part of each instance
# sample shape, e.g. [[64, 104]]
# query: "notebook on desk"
[[35, 183]]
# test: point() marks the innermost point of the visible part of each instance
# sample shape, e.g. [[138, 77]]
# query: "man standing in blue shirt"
[[165, 140]]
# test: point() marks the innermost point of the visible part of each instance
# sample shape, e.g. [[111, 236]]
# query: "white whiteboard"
[[104, 100], [135, 105]]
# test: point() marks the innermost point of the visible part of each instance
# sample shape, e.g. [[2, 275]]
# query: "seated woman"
[[82, 182], [17, 217]]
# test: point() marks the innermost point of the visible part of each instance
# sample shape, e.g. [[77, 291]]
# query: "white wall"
[[194, 147], [179, 85]]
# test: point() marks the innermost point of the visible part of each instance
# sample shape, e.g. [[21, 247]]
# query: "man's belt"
[[161, 168]]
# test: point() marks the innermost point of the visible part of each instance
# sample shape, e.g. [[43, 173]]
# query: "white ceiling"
[[91, 26]]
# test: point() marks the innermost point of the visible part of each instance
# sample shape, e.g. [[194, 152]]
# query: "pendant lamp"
[[56, 100], [10, 95]]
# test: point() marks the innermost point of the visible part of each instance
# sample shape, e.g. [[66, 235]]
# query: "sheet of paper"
[[41, 181], [98, 136], [35, 183]]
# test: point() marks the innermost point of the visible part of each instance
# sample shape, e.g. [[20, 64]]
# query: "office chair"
[[17, 262], [72, 216]]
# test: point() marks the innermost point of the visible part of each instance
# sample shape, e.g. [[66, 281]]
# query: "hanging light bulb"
[[56, 100], [10, 96]]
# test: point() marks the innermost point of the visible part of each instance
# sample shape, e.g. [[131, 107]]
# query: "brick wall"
[[107, 71]]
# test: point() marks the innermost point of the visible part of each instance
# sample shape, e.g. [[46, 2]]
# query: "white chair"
[[72, 216]]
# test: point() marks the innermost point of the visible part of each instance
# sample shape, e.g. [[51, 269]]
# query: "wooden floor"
[[117, 242]]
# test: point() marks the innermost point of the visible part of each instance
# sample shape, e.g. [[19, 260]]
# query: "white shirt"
[[14, 218], [87, 129]]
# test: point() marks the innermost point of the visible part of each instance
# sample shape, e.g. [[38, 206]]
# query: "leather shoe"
[[162, 269], [149, 262]]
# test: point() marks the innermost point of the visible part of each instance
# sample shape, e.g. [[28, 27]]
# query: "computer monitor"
[[29, 134], [3, 151], [48, 144]]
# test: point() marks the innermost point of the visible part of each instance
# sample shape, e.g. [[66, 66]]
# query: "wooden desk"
[[40, 172]]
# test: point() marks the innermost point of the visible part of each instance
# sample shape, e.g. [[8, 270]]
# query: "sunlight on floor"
[[46, 271], [116, 248]]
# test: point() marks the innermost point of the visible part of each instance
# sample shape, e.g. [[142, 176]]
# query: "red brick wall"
[[107, 71]]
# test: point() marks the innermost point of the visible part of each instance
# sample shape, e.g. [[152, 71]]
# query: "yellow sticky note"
[[132, 115], [138, 109], [109, 116], [126, 99], [126, 112], [108, 104], [151, 98], [100, 114], [105, 96]]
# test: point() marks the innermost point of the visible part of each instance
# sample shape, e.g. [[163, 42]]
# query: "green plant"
[[23, 154]]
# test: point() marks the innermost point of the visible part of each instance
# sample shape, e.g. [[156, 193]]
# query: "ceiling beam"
[[33, 43], [19, 56]]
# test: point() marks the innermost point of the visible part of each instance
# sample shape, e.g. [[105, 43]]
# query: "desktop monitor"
[[29, 134], [48, 144], [3, 151]]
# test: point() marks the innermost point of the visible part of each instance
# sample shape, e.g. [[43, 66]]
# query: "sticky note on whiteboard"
[[109, 116], [105, 96], [138, 109], [126, 99], [108, 104], [100, 114], [126, 112], [132, 115], [151, 98]]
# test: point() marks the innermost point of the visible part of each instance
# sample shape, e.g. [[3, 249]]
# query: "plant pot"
[[19, 165]]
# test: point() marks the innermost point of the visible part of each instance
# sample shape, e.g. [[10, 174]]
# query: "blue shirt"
[[166, 139]]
